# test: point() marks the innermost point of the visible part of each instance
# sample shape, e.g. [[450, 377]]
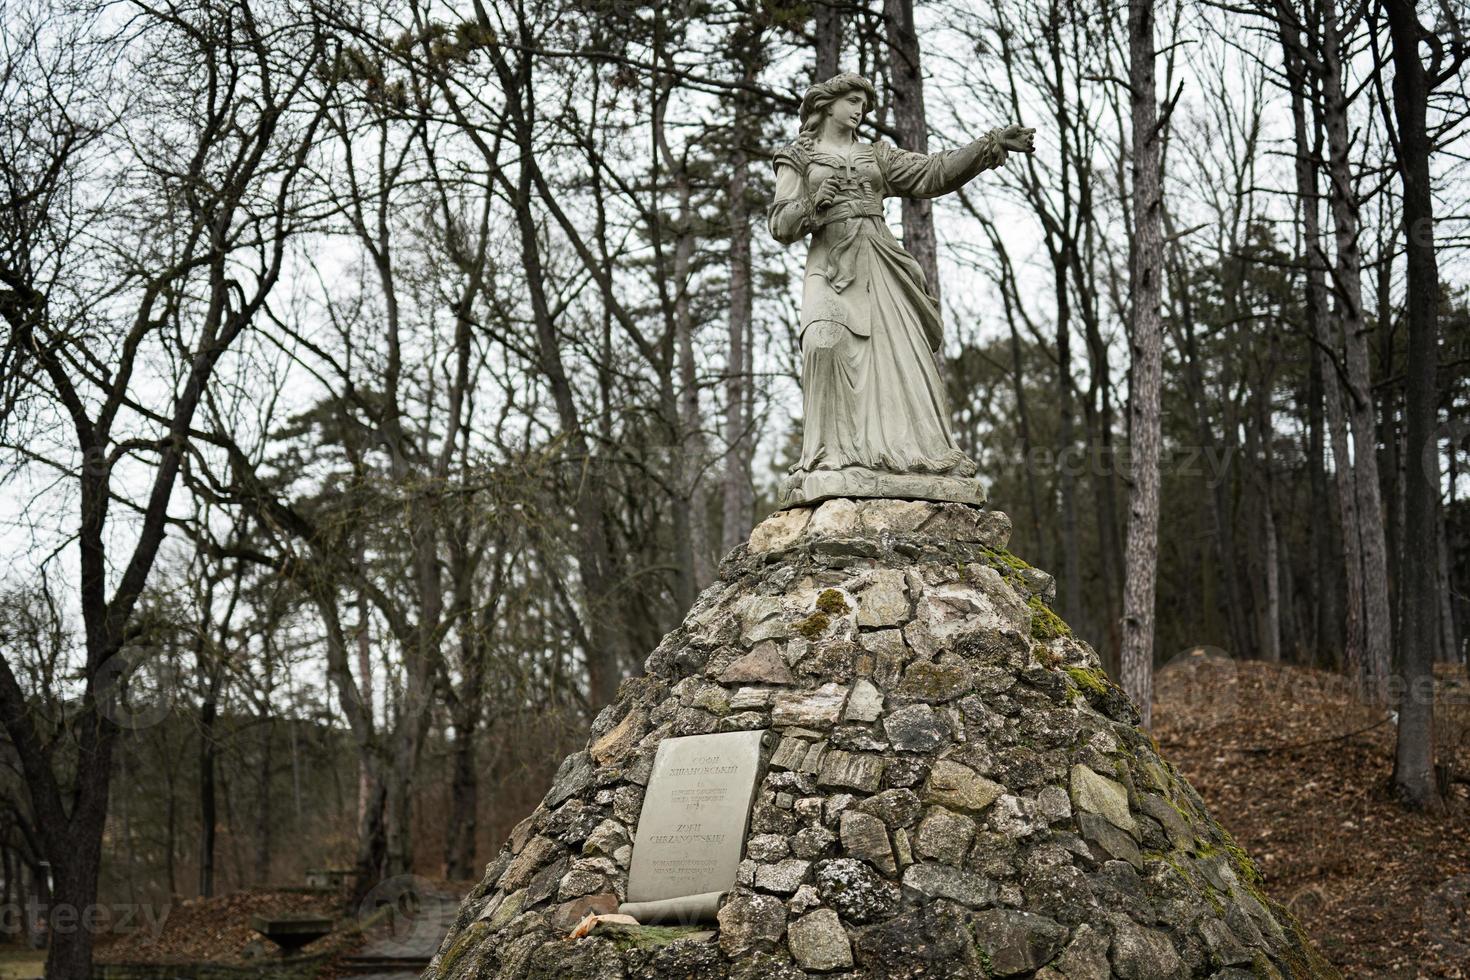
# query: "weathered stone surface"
[[935, 681], [751, 922], [916, 729], [856, 482], [834, 517], [864, 703], [852, 770], [942, 881], [783, 877], [1108, 839], [865, 836], [884, 601], [930, 942], [767, 847], [763, 665], [809, 709], [1053, 803], [944, 836], [895, 807], [1140, 953], [922, 796], [606, 839], [812, 843], [568, 914], [818, 941], [1173, 823], [762, 618], [747, 698], [895, 516], [535, 854], [1103, 796], [959, 787], [616, 744], [1017, 942], [780, 529], [856, 891], [1086, 956], [572, 777]]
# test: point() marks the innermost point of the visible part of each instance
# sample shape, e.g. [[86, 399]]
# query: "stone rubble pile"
[[957, 789]]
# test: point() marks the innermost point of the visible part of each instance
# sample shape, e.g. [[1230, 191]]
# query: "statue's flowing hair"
[[820, 96]]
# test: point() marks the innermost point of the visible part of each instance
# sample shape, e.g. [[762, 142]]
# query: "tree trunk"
[[1377, 621], [372, 839], [906, 79], [1390, 476], [1413, 770], [738, 491], [691, 506], [464, 792], [1271, 621], [827, 28], [208, 820], [1137, 651], [70, 953], [1318, 516], [1023, 428], [264, 814], [1324, 367], [1449, 647]]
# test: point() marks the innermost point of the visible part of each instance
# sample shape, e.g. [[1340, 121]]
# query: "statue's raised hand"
[[1017, 138]]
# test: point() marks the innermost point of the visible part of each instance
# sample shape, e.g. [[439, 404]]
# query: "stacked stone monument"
[[938, 781]]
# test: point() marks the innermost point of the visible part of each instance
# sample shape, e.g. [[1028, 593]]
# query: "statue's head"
[[821, 97]]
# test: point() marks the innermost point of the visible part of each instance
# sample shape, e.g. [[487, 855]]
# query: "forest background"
[[382, 380]]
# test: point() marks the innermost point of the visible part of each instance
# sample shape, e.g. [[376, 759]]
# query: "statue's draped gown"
[[873, 398]]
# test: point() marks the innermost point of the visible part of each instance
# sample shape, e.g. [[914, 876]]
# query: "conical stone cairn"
[[951, 788]]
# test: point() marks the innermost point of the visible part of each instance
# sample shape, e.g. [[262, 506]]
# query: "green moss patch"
[[467, 940], [627, 937], [832, 602], [1045, 624], [814, 625], [1004, 557], [1088, 679]]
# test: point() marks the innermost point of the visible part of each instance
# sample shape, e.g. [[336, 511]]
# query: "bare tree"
[[1414, 80], [214, 145], [1146, 344]]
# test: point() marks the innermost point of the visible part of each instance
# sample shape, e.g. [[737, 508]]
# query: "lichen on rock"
[[958, 790]]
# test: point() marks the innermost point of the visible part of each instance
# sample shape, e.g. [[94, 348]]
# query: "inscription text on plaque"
[[692, 827]]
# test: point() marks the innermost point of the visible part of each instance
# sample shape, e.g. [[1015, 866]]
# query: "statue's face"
[[848, 110]]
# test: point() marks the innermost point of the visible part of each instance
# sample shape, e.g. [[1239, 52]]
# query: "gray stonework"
[[956, 791]]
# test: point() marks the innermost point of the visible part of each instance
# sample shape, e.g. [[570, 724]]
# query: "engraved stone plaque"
[[692, 827]]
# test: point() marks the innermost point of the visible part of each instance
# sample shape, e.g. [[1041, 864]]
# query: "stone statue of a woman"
[[876, 418]]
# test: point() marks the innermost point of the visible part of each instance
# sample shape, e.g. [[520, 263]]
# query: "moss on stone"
[[832, 602], [1302, 958], [467, 940], [814, 625], [1045, 624], [1088, 679], [1244, 866], [1006, 558], [626, 937]]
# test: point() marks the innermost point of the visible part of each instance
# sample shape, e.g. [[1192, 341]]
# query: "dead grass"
[[1298, 769]]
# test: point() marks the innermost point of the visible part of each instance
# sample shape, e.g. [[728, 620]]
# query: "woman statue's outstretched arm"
[[924, 175]]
